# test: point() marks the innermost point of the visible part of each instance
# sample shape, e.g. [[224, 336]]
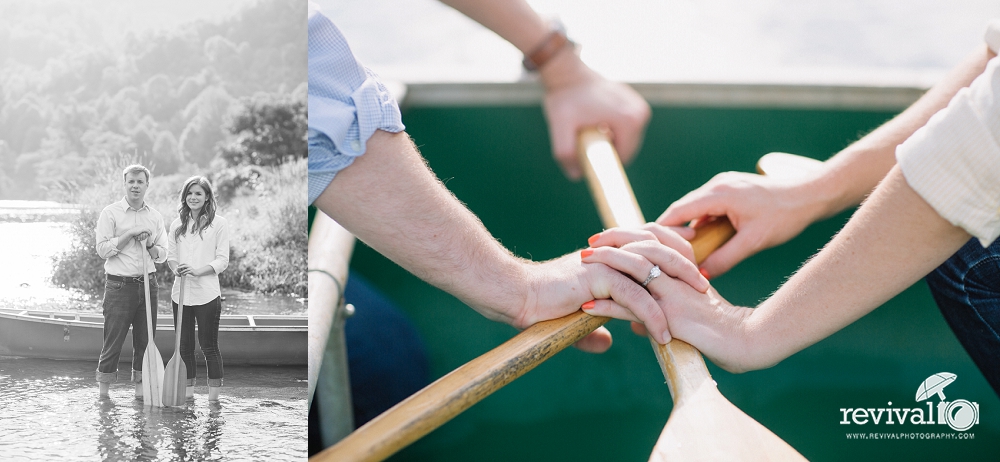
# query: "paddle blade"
[[152, 376], [175, 382], [175, 379], [706, 426]]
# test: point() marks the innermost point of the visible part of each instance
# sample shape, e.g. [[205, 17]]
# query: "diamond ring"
[[653, 274]]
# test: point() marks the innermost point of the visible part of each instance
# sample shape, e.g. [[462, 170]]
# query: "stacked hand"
[[140, 233], [183, 269], [689, 306], [560, 287]]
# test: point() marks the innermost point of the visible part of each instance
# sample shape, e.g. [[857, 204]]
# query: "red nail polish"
[[704, 273], [593, 238], [586, 253], [589, 305]]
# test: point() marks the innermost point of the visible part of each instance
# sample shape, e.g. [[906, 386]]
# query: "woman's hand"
[[184, 269], [694, 311], [576, 97], [564, 285], [765, 211]]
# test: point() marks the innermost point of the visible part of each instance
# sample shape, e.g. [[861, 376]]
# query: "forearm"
[[853, 173], [893, 240], [389, 199], [516, 22], [204, 270]]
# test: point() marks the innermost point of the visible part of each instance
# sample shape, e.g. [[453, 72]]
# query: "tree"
[[165, 153], [203, 132], [270, 130]]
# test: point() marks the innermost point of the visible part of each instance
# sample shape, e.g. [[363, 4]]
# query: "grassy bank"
[[264, 207]]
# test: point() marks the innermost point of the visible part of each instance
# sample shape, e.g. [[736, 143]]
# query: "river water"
[[50, 409]]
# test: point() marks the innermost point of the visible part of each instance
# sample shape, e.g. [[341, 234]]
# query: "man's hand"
[[696, 313], [561, 286], [139, 233]]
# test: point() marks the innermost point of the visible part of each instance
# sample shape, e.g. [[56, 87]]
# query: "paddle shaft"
[[455, 392], [180, 318], [703, 424], [682, 364], [151, 379]]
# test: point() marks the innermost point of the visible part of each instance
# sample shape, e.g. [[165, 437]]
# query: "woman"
[[939, 204], [197, 251]]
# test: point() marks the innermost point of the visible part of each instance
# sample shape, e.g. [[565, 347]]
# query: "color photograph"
[[796, 257]]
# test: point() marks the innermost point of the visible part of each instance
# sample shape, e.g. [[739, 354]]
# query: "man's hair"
[[135, 168]]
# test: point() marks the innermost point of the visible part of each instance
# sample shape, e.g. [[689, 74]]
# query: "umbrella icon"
[[935, 385]]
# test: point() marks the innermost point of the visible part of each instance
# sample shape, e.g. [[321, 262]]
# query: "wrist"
[[821, 195], [554, 43], [565, 69], [502, 295]]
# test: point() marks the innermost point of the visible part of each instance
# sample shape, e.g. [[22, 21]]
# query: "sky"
[[815, 41], [108, 21]]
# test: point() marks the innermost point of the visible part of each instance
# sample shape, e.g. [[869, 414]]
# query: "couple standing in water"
[[130, 237]]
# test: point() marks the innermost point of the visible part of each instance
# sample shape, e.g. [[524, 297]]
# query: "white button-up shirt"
[[115, 219], [953, 162], [211, 247]]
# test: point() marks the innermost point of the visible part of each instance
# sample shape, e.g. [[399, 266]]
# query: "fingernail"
[[704, 272], [666, 337], [593, 239], [586, 253], [589, 305]]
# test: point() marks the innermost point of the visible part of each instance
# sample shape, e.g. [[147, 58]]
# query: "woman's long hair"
[[207, 210]]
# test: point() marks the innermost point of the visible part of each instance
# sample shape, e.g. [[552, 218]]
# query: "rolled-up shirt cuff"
[[993, 36], [114, 246], [953, 162], [349, 125], [325, 161], [218, 266]]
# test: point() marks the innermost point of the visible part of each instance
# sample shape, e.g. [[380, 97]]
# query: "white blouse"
[[211, 248], [953, 162]]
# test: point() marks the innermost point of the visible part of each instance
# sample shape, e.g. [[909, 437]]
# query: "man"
[[366, 174], [128, 232]]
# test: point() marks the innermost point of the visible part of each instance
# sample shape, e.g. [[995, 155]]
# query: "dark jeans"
[[387, 359], [207, 316], [967, 289], [124, 307]]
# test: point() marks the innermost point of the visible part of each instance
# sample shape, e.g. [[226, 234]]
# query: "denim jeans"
[[207, 317], [124, 307], [967, 289]]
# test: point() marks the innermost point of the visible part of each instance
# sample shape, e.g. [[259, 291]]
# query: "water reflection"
[[50, 410]]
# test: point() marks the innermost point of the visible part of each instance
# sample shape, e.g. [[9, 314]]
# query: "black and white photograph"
[[153, 230]]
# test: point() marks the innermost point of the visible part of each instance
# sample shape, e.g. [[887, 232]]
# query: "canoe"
[[264, 340], [489, 144]]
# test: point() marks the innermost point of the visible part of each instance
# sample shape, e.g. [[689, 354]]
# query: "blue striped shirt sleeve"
[[347, 103]]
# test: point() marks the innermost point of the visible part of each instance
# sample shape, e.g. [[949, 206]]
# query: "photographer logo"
[[960, 414]]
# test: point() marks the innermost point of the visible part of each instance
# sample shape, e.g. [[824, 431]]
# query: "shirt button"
[[356, 145]]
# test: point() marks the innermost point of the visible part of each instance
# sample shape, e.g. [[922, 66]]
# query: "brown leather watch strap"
[[554, 42]]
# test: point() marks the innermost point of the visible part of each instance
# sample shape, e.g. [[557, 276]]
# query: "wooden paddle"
[[152, 363], [703, 425], [175, 377], [447, 397]]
